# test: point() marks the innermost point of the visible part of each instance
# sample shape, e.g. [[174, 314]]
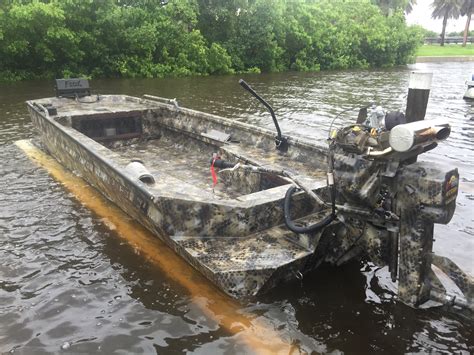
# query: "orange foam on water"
[[248, 330]]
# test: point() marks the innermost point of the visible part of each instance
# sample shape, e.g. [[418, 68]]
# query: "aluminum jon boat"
[[251, 209]]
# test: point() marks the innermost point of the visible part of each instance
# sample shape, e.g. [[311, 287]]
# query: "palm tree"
[[446, 9], [467, 9], [388, 6], [409, 6]]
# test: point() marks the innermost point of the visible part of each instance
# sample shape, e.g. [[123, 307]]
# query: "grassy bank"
[[449, 50]]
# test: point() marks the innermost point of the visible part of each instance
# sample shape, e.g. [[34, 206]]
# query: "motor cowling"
[[356, 175]]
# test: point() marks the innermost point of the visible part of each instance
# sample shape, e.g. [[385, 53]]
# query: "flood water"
[[70, 283]]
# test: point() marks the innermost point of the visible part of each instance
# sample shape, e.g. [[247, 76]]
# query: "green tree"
[[36, 40], [181, 49], [338, 34], [87, 21], [219, 61], [428, 33], [218, 19], [143, 38], [467, 9], [446, 9]]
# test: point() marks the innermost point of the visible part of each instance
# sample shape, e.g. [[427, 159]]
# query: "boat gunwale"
[[243, 201], [297, 142], [234, 123]]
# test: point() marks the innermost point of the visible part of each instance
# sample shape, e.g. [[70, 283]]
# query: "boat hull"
[[240, 246], [469, 94], [240, 232]]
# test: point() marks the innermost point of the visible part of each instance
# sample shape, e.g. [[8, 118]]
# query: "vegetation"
[[455, 34], [430, 33], [144, 38], [389, 6], [452, 50], [447, 9]]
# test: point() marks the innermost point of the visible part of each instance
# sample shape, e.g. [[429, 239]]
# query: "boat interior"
[[181, 143]]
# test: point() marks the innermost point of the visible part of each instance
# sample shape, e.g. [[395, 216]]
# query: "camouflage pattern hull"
[[152, 159], [231, 233]]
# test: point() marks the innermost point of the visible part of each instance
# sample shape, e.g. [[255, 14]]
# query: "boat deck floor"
[[189, 166], [243, 265]]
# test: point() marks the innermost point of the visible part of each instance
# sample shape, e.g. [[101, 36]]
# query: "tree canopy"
[[388, 6], [143, 38]]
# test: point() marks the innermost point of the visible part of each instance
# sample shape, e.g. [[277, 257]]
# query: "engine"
[[372, 166], [383, 202], [375, 169]]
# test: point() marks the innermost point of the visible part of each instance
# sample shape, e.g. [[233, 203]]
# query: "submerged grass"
[[451, 50]]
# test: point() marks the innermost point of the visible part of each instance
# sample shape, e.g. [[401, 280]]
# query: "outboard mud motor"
[[375, 169], [386, 202]]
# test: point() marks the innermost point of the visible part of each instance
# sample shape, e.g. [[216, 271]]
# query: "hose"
[[326, 220], [287, 201], [308, 229]]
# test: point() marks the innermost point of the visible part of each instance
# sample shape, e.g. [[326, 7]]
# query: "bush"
[[130, 38], [219, 61]]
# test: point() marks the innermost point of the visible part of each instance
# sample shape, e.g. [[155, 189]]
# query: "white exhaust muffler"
[[408, 136]]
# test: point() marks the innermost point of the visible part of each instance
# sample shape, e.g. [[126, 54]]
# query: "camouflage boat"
[[250, 209]]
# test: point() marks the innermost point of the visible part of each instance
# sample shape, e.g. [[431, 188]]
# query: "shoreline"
[[441, 59]]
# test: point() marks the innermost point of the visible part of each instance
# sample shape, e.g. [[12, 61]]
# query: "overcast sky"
[[421, 15]]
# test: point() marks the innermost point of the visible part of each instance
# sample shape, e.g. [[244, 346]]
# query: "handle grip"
[[245, 85]]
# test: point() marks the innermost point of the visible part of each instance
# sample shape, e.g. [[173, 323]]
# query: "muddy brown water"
[[69, 283]]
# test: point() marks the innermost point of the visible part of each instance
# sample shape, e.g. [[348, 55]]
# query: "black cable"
[[308, 229]]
